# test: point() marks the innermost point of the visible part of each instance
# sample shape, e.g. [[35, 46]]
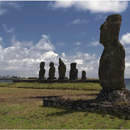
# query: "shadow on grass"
[[92, 106], [66, 111]]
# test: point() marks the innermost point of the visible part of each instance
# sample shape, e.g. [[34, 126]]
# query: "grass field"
[[19, 109], [63, 86]]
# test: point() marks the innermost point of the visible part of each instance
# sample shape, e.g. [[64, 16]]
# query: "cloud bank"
[[125, 39], [23, 58]]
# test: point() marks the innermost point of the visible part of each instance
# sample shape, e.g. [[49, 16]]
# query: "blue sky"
[[32, 32]]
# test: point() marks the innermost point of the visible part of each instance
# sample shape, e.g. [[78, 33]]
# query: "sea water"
[[6, 81], [127, 84]]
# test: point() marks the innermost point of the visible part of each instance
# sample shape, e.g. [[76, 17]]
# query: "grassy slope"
[[18, 110]]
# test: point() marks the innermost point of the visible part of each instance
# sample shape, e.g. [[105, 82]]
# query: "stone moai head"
[[60, 61], [73, 66], [109, 30], [42, 64], [51, 64]]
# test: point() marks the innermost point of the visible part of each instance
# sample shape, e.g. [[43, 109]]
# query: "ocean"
[[127, 82], [6, 81]]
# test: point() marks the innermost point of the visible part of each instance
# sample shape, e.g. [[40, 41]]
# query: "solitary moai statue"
[[83, 75], [61, 69], [51, 71], [112, 62], [42, 71], [73, 71]]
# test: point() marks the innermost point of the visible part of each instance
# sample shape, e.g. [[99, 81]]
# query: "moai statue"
[[112, 62], [42, 71], [73, 71], [51, 71], [83, 75], [61, 69]]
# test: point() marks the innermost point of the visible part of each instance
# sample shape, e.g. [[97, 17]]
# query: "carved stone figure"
[[42, 71], [51, 71], [61, 69], [83, 75], [112, 62], [73, 71]]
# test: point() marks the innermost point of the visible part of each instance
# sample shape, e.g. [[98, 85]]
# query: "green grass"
[[72, 86], [18, 110]]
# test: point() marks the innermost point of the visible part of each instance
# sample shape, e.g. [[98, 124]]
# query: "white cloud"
[[76, 48], [2, 11], [94, 43], [127, 66], [85, 61], [1, 39], [89, 57], [93, 6], [78, 21], [6, 5], [21, 59], [63, 54], [13, 5], [77, 43], [80, 62], [49, 55], [125, 39], [8, 30], [45, 44], [100, 17]]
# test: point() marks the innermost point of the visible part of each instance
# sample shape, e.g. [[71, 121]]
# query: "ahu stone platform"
[[56, 81]]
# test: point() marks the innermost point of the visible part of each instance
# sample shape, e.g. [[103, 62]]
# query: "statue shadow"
[[103, 114], [77, 106], [62, 113]]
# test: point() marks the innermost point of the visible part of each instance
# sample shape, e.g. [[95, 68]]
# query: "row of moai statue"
[[73, 74]]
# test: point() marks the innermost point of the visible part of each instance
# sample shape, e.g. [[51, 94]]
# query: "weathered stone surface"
[[61, 69], [73, 72], [112, 62], [51, 71], [120, 109], [42, 71], [83, 75], [114, 95]]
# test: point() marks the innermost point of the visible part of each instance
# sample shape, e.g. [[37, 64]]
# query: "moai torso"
[[51, 71], [73, 71], [112, 62], [42, 71], [83, 75], [61, 69]]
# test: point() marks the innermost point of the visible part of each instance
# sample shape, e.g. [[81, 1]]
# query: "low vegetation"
[[21, 109], [71, 86]]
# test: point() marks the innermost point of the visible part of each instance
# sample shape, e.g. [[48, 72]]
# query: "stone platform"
[[57, 81], [119, 109], [114, 95]]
